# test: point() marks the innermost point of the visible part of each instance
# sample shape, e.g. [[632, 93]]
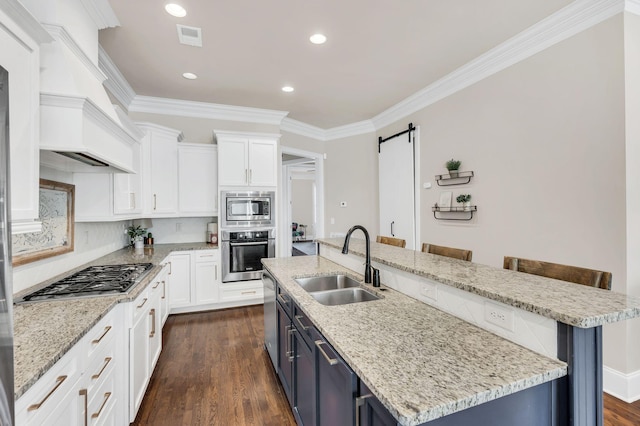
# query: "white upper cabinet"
[[197, 179], [247, 159], [20, 38], [160, 170]]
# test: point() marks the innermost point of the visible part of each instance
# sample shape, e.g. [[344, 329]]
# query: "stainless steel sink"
[[330, 282], [343, 296]]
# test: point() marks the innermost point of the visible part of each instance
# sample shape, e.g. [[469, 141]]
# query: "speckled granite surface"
[[420, 362], [45, 331], [573, 304]]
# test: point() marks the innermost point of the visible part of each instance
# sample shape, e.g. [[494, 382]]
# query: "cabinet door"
[[206, 278], [197, 168], [164, 174], [155, 326], [233, 164], [285, 351], [263, 158], [138, 362], [371, 412], [179, 280], [127, 188], [93, 197], [305, 383], [336, 387]]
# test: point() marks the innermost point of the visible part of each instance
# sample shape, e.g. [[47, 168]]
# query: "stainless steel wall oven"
[[242, 251]]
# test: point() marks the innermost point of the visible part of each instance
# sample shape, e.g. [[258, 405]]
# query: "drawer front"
[[101, 336], [206, 255], [100, 368], [303, 324], [141, 305], [58, 387], [101, 400], [230, 292]]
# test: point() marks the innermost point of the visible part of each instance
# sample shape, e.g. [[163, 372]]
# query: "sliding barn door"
[[396, 186]]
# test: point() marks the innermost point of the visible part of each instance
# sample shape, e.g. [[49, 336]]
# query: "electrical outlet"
[[429, 290], [499, 315]]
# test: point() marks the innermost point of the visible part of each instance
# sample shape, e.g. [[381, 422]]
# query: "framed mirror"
[[58, 218]]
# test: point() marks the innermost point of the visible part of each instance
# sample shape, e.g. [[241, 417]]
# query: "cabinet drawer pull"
[[99, 339], [290, 338], [142, 304], [157, 284], [299, 318], [331, 361], [283, 299], [107, 395], [360, 403], [170, 268], [249, 292], [152, 312], [107, 360], [59, 381], [164, 289], [83, 392]]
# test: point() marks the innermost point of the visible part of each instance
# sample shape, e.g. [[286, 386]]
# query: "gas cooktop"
[[92, 281]]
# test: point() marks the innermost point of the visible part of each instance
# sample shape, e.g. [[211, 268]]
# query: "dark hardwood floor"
[[213, 370]]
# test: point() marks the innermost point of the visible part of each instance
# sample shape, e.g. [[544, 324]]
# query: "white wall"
[[302, 203]]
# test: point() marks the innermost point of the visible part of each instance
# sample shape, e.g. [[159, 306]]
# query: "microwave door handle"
[[260, 243]]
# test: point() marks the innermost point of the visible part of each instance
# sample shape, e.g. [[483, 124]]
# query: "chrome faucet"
[[368, 269]]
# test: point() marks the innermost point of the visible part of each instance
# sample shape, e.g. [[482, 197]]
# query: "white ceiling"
[[378, 52]]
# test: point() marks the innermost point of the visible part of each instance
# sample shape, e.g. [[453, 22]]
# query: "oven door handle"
[[257, 243]]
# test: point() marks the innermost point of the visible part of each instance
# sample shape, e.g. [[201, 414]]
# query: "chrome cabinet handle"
[[250, 175], [170, 268], [392, 234], [164, 289], [248, 292], [155, 201], [331, 361], [99, 339], [107, 360], [83, 392], [106, 398], [283, 299], [216, 272], [157, 284], [291, 331], [360, 403], [246, 175], [59, 381], [286, 343], [142, 304], [152, 312], [299, 318]]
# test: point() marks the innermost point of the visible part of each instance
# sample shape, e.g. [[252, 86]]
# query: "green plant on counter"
[[135, 233], [453, 164], [463, 198]]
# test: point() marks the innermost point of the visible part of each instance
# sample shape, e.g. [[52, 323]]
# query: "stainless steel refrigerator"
[[6, 288]]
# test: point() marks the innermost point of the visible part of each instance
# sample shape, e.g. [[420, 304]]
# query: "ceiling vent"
[[191, 36]]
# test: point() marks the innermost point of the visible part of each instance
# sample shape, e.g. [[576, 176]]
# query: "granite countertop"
[[420, 362], [568, 303], [45, 331]]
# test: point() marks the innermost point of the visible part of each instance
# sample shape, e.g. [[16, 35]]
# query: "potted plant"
[[136, 236], [453, 166], [465, 199]]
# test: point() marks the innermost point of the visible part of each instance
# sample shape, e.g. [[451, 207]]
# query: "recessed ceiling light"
[[189, 76], [175, 10], [318, 39], [287, 89]]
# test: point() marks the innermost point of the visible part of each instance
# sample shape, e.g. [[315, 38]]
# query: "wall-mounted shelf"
[[448, 180], [453, 213]]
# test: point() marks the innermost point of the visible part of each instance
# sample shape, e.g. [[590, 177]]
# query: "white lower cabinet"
[[206, 276], [179, 279], [84, 386]]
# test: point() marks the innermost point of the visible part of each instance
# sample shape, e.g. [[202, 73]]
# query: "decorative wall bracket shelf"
[[453, 213], [460, 178]]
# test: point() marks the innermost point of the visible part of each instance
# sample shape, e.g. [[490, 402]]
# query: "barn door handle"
[[392, 234]]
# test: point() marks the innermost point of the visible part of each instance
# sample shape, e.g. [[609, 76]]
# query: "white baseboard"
[[623, 386]]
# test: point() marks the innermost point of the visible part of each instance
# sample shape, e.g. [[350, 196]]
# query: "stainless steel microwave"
[[247, 209]]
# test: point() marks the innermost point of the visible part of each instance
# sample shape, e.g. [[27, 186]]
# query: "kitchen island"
[[425, 365]]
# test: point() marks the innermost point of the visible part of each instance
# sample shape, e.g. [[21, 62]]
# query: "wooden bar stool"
[[573, 274], [455, 253], [398, 242]]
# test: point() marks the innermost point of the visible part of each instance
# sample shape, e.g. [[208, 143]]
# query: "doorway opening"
[[302, 202]]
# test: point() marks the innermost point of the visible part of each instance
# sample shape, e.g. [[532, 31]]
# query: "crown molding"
[[303, 129], [353, 129], [59, 33], [157, 128], [206, 110], [572, 19], [101, 13], [115, 83], [632, 6], [25, 21]]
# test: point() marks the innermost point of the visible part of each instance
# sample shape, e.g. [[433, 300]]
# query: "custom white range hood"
[[80, 130]]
